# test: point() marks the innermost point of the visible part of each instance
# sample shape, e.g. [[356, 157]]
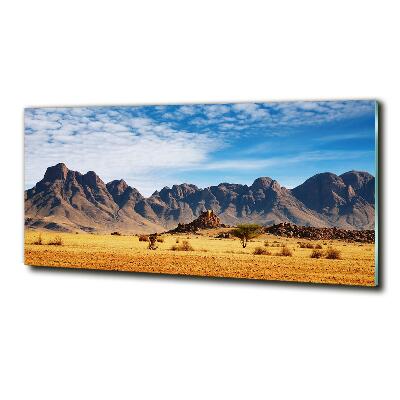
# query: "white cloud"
[[136, 149], [256, 164], [267, 115], [317, 112], [251, 110], [188, 110], [148, 148], [342, 136], [215, 110]]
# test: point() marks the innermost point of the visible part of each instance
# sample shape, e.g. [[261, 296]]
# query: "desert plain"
[[210, 256]]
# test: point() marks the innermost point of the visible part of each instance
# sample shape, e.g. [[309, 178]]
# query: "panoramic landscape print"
[[280, 191]]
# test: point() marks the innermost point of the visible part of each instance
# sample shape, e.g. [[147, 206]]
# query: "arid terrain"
[[321, 231], [211, 256]]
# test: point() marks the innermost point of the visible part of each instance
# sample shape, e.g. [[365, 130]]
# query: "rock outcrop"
[[206, 220], [313, 233]]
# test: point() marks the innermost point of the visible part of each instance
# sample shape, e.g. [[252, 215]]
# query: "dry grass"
[[259, 251], [286, 252], [184, 246], [39, 240], [332, 254], [210, 257], [306, 245], [317, 254], [57, 241], [143, 238]]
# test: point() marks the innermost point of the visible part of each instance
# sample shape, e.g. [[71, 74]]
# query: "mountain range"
[[67, 200]]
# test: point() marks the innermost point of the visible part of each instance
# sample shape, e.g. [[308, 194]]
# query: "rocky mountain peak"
[[92, 179], [183, 189], [356, 179], [262, 183], [117, 186], [56, 172]]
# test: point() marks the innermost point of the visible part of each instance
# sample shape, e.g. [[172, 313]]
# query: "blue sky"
[[156, 146]]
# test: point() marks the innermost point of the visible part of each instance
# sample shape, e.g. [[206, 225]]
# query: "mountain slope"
[[264, 202], [68, 200], [346, 201]]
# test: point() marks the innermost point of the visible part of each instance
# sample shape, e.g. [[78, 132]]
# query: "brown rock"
[[206, 220]]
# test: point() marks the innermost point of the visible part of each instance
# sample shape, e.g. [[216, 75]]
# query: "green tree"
[[245, 232]]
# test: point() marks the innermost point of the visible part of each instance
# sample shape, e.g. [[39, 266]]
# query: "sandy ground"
[[211, 257]]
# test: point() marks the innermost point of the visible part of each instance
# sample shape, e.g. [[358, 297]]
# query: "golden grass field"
[[211, 257]]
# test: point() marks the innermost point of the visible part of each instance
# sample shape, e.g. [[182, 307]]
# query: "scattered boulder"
[[287, 229]]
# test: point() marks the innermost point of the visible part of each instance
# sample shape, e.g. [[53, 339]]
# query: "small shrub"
[[39, 240], [160, 240], [266, 244], [177, 240], [306, 245], [318, 246], [317, 254], [286, 252], [115, 234], [259, 251], [143, 238], [57, 241], [184, 246], [223, 235], [333, 254]]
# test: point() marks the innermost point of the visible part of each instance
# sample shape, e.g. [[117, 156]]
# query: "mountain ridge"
[[70, 201]]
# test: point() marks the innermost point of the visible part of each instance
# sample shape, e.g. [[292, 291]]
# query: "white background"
[[77, 335]]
